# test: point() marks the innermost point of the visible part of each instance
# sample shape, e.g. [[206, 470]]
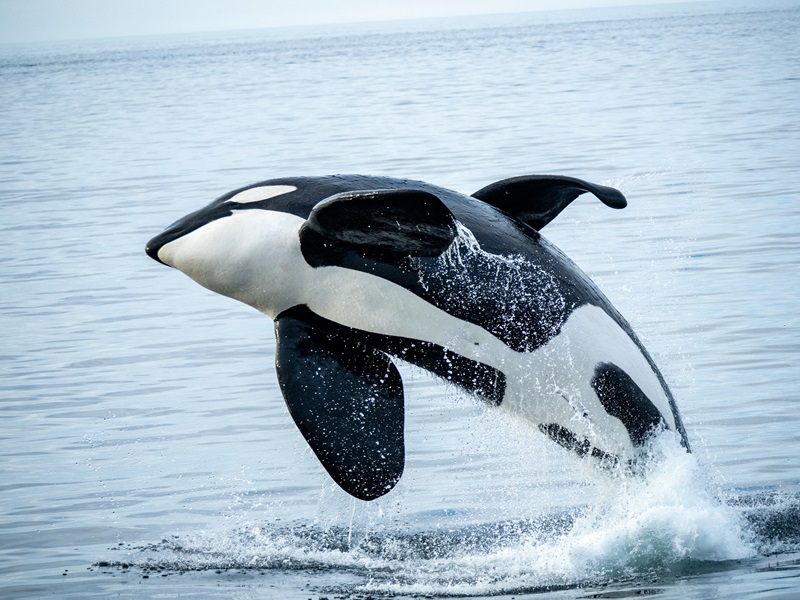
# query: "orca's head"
[[243, 245], [257, 244]]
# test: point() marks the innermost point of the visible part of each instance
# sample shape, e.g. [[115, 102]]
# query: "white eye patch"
[[263, 192]]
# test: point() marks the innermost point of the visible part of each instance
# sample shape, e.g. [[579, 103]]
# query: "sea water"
[[145, 450]]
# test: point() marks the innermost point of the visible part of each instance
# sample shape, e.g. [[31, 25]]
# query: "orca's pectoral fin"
[[538, 199], [385, 222], [347, 401]]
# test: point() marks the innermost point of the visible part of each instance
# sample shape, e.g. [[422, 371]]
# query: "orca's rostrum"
[[356, 270]]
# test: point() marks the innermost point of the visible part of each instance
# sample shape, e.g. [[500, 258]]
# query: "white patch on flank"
[[263, 192], [254, 256]]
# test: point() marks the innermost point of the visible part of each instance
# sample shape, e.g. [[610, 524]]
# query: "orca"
[[359, 271]]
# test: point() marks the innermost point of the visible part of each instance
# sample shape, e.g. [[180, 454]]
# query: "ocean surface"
[[145, 450]]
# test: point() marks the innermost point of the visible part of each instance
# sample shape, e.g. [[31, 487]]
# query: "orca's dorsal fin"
[[538, 199], [346, 399], [385, 222]]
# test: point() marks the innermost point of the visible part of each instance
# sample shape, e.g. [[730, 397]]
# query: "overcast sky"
[[35, 20]]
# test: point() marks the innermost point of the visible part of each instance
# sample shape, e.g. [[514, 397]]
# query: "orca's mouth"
[[186, 225], [155, 244]]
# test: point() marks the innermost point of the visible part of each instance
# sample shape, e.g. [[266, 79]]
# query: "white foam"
[[670, 515], [640, 526]]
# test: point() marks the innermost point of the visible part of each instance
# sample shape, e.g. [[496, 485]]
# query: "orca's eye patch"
[[260, 193]]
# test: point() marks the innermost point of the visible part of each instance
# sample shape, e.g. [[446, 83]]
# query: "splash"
[[635, 528], [516, 300], [669, 515], [641, 527]]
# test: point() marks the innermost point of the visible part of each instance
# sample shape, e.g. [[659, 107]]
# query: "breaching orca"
[[355, 270]]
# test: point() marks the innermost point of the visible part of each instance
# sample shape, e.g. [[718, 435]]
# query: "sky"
[[44, 20]]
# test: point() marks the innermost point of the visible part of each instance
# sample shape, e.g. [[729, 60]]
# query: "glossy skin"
[[355, 268]]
